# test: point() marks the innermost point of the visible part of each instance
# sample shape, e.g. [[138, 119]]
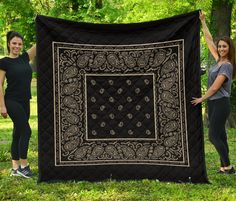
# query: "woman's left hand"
[[196, 101]]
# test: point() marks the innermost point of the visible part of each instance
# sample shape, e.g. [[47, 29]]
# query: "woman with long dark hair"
[[218, 93], [15, 102]]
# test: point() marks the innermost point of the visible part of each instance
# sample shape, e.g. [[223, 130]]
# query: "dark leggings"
[[218, 112], [19, 112]]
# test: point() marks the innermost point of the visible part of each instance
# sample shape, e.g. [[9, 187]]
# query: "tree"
[[221, 17], [19, 16], [98, 4]]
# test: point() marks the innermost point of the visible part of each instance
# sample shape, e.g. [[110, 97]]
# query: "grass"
[[222, 187]]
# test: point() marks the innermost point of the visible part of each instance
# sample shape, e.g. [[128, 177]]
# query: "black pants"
[[19, 113], [218, 112]]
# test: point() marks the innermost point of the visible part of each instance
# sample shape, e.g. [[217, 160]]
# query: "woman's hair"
[[231, 55], [12, 34]]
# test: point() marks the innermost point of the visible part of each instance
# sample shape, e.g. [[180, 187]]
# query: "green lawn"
[[222, 187]]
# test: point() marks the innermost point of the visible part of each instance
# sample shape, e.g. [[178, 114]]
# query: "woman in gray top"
[[218, 93]]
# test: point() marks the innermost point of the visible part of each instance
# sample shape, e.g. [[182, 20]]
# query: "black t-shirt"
[[18, 77]]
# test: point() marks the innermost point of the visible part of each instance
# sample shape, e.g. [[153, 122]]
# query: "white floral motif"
[[130, 132], [128, 82], [138, 124], [111, 82], [111, 99], [147, 99], [102, 90], [112, 116], [102, 107], [120, 90], [94, 116], [94, 132], [121, 124], [138, 107], [103, 124], [112, 132], [129, 115], [146, 81], [137, 90], [148, 132], [120, 107], [93, 82], [129, 99], [93, 99]]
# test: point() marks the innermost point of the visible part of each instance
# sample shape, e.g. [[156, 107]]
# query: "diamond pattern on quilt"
[[109, 116]]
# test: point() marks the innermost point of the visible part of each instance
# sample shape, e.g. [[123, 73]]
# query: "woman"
[[218, 93], [16, 101]]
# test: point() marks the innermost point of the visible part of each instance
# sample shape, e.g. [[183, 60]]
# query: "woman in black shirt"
[[16, 101]]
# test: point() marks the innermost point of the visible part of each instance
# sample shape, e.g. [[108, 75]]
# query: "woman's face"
[[15, 45], [223, 49]]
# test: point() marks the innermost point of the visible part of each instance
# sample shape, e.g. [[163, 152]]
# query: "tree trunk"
[[221, 18], [75, 5], [221, 26], [95, 4], [98, 4]]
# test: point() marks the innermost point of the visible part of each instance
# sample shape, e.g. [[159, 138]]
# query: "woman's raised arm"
[[32, 52], [208, 37]]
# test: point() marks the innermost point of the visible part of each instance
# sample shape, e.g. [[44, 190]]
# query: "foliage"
[[139, 10], [233, 103], [222, 187], [17, 15], [20, 14]]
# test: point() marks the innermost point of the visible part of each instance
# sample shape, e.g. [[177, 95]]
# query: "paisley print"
[[95, 83]]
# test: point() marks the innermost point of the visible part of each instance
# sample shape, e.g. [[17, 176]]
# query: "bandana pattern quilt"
[[114, 100]]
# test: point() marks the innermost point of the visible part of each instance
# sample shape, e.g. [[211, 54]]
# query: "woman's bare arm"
[[208, 37], [3, 109], [32, 52]]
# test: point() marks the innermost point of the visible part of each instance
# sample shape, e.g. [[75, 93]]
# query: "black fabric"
[[218, 112], [114, 100], [19, 112], [18, 76]]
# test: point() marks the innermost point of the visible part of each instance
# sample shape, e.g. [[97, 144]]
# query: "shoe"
[[230, 171], [14, 173], [25, 172]]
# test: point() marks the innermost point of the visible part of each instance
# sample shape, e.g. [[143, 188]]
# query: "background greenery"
[[19, 15]]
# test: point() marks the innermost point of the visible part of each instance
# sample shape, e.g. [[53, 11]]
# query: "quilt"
[[114, 100]]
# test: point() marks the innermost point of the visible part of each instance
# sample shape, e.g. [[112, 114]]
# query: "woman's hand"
[[196, 101], [202, 16], [3, 111]]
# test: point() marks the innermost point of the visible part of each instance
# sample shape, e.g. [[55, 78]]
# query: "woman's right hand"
[[3, 111], [202, 15]]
